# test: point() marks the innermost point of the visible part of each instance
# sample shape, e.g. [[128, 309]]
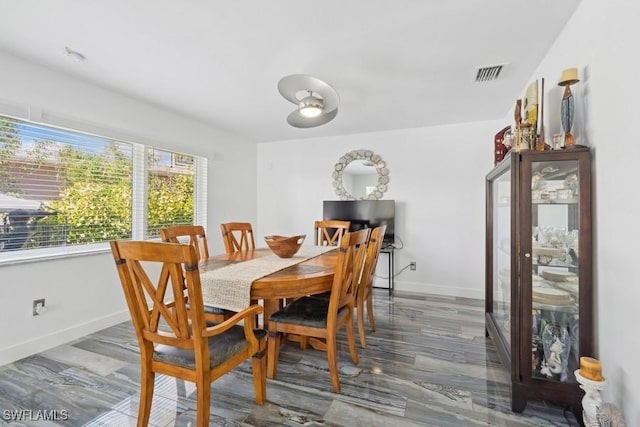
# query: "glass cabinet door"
[[554, 269], [502, 254]]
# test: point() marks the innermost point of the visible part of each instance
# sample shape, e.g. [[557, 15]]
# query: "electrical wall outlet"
[[412, 265], [38, 307]]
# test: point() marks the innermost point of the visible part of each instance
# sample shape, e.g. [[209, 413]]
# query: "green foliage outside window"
[[95, 182], [170, 202], [9, 146]]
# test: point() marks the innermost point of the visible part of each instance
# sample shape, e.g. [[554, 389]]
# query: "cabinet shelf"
[[572, 308], [554, 263], [573, 201], [540, 317]]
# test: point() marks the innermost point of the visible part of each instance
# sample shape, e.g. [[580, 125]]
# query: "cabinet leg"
[[518, 404], [577, 412]]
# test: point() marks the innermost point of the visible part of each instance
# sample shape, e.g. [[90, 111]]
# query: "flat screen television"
[[364, 214]]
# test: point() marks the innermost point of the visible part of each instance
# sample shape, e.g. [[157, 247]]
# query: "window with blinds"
[[61, 189], [170, 190]]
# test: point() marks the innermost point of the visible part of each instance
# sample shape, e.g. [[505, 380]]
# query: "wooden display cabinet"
[[539, 271]]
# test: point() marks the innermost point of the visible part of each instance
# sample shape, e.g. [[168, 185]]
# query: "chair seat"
[[209, 309], [221, 348], [323, 296], [307, 311]]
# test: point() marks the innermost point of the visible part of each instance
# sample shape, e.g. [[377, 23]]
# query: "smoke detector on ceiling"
[[74, 55]]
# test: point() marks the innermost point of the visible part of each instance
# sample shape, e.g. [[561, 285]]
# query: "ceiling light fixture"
[[316, 100], [74, 55], [310, 106]]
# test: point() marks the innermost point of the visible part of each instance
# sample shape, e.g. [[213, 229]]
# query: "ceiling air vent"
[[491, 72]]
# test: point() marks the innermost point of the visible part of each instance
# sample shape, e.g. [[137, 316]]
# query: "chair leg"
[[273, 348], [304, 341], [203, 400], [259, 365], [360, 310], [372, 320], [332, 359], [351, 339], [147, 380]]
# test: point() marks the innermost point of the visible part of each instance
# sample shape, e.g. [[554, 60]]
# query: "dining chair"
[[178, 342], [237, 236], [323, 318], [329, 232], [196, 237], [365, 288], [195, 234]]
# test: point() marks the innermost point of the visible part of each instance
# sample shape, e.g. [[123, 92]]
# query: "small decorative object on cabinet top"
[[501, 145], [530, 105], [524, 131], [524, 137], [569, 77], [540, 143], [529, 119], [558, 138]]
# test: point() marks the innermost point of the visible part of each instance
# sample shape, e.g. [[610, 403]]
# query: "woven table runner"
[[229, 287]]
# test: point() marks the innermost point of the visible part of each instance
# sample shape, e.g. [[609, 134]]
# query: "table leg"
[[270, 307], [392, 274]]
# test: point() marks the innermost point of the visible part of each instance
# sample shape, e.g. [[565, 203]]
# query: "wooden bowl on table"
[[285, 247]]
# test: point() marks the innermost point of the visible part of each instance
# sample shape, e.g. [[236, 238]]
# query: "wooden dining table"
[[309, 277]]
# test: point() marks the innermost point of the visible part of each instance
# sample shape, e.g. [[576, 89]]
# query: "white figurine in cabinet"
[[554, 363]]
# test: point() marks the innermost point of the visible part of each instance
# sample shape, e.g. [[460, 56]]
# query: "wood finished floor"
[[428, 364]]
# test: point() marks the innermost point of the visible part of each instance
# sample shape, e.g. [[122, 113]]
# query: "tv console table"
[[389, 250]]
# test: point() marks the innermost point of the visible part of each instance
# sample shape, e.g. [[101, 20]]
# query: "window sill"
[[35, 255]]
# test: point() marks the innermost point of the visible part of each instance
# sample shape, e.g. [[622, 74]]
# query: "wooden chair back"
[[365, 287], [373, 252], [195, 234], [349, 267], [329, 232], [237, 236], [175, 340]]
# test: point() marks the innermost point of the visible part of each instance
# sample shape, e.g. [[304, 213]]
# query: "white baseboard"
[[431, 288], [36, 345]]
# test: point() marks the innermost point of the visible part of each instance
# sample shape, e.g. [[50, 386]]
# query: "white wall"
[[437, 177], [83, 293], [601, 40]]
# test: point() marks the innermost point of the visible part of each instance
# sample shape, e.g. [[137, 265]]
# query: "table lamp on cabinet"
[[569, 77]]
